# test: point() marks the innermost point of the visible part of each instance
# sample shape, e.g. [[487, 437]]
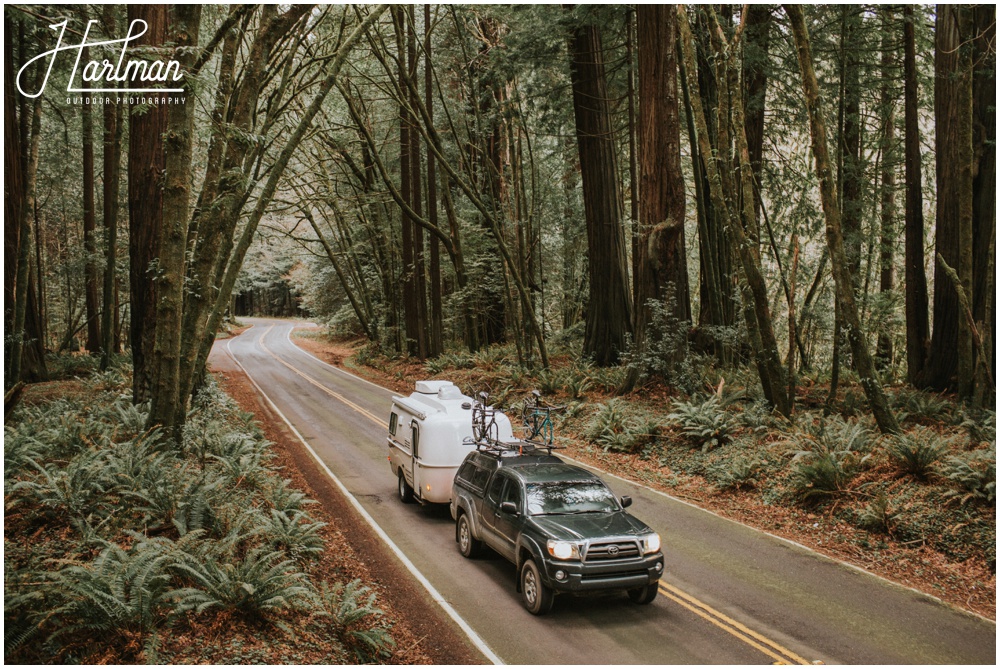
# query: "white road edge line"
[[717, 515], [476, 640]]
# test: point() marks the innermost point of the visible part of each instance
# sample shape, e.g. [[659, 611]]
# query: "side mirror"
[[509, 507], [626, 501]]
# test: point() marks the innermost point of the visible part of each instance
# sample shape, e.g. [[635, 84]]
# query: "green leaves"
[[707, 424]]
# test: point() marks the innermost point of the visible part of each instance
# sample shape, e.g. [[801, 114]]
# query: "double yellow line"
[[775, 651]]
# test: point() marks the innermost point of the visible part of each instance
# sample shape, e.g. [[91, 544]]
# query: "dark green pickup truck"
[[558, 523]]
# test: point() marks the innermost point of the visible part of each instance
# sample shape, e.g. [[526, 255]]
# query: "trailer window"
[[416, 439], [393, 422]]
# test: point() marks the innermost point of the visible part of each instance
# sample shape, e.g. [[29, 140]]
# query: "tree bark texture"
[[609, 309], [145, 198], [915, 277], [662, 266], [168, 403]]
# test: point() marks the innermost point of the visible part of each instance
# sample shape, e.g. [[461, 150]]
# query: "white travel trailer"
[[430, 433]]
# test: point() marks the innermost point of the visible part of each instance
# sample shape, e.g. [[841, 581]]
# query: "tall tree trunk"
[[411, 318], [755, 56], [437, 315], [950, 355], [91, 275], [609, 309], [168, 405], [887, 240], [633, 166], [917, 325], [145, 197], [984, 172], [842, 275], [419, 266], [112, 187], [662, 268]]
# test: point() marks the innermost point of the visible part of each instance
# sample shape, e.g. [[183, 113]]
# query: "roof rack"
[[485, 432]]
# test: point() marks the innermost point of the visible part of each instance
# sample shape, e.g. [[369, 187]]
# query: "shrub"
[[973, 476], [916, 405], [260, 583], [739, 472], [294, 532], [917, 452], [360, 623], [706, 424], [877, 515], [819, 475], [123, 596]]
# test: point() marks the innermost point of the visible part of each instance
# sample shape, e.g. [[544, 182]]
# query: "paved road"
[[731, 594]]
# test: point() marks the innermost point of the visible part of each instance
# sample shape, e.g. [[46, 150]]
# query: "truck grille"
[[612, 550]]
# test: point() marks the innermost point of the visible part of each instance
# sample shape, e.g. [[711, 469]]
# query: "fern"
[[283, 497], [260, 583], [122, 594], [352, 609], [917, 452], [294, 533], [973, 476], [707, 424]]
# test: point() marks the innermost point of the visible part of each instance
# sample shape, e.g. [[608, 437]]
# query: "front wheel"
[[645, 594], [405, 491], [468, 545], [535, 595]]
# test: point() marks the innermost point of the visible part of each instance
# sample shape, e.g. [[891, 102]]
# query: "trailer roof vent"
[[432, 387]]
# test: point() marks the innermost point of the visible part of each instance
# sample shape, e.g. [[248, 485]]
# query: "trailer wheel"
[[405, 491]]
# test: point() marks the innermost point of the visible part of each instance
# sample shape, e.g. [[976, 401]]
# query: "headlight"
[[650, 543], [564, 550]]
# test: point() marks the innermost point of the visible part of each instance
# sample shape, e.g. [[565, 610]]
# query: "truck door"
[[491, 506], [506, 523]]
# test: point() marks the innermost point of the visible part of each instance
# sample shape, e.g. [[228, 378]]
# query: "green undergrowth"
[[932, 486], [120, 547]]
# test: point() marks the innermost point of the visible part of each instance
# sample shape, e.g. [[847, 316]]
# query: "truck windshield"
[[545, 499]]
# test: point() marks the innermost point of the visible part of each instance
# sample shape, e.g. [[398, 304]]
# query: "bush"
[[739, 472], [877, 515], [973, 476], [706, 424], [360, 624], [262, 582], [917, 452], [121, 598], [826, 457]]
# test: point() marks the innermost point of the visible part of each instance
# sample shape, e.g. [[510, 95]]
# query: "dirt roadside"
[[423, 632]]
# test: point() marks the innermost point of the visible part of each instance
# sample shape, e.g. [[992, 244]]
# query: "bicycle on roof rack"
[[537, 418]]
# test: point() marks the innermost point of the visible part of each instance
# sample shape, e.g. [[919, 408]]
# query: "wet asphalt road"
[[731, 594]]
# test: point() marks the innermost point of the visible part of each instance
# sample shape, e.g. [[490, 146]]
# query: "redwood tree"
[[609, 310]]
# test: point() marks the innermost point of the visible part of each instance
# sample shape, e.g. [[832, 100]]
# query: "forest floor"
[[36, 543], [962, 576]]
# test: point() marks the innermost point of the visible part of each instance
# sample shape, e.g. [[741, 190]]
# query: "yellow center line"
[[361, 410], [735, 628], [753, 639]]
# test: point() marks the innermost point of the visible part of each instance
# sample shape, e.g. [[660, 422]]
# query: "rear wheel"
[[405, 491], [535, 595], [468, 545], [645, 594]]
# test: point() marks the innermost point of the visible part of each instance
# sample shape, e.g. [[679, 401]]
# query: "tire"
[[405, 491], [535, 595], [645, 594], [468, 545]]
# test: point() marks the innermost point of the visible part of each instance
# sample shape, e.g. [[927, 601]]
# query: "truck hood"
[[590, 526]]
